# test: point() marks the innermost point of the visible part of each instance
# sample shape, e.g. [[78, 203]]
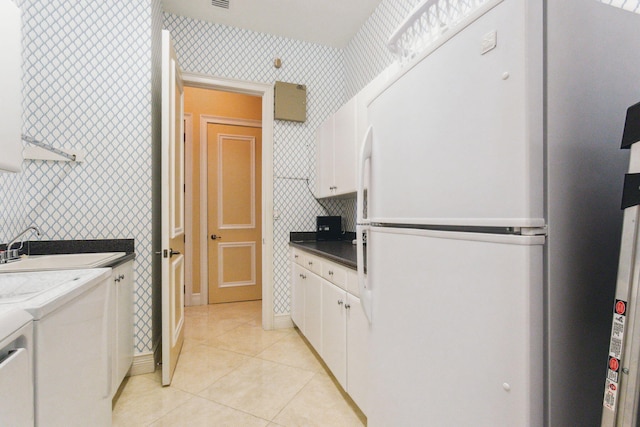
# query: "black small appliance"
[[328, 227]]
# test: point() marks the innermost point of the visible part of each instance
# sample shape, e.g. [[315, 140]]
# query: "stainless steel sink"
[[60, 262]]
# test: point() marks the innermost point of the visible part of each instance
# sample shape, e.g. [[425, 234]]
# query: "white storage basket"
[[430, 21]]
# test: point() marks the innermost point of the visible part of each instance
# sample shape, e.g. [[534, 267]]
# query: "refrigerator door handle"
[[366, 296], [363, 157], [362, 225]]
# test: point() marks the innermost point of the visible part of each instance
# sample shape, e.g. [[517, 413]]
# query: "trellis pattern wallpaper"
[[86, 85], [367, 55], [89, 84]]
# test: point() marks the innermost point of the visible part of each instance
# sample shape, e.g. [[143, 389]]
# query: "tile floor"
[[233, 373]]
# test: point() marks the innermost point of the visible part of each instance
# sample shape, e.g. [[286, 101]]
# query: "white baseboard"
[[282, 321], [143, 363], [195, 299]]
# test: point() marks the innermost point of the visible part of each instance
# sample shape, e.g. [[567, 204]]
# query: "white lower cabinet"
[[313, 310], [331, 319], [334, 331], [297, 295], [357, 355], [122, 323]]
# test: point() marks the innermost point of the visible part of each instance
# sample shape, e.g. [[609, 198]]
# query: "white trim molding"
[[265, 91], [143, 363], [231, 121], [221, 264], [282, 321]]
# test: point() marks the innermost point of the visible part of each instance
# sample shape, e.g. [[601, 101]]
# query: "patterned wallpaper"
[[87, 70], [88, 67], [367, 55]]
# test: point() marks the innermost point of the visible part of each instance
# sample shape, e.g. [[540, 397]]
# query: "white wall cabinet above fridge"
[[11, 87], [336, 153], [339, 138]]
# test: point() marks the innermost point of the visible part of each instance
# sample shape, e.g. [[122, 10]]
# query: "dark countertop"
[[54, 247], [340, 251]]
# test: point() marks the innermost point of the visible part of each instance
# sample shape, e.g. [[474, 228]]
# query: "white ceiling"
[[326, 22]]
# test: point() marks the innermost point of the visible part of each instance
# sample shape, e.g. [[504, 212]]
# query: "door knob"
[[172, 252], [215, 237]]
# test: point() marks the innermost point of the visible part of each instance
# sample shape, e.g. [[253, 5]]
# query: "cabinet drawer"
[[298, 257], [335, 273], [352, 282], [313, 263]]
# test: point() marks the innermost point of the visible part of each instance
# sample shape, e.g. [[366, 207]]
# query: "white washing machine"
[[16, 368], [72, 349]]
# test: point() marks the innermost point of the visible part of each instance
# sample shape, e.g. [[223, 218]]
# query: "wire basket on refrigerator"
[[430, 21], [630, 5]]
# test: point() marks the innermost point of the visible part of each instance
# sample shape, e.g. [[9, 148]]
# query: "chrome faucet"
[[13, 254]]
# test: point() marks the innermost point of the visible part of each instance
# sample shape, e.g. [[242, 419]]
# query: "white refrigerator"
[[490, 222]]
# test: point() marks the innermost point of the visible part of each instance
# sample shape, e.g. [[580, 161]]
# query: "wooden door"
[[234, 180], [172, 210]]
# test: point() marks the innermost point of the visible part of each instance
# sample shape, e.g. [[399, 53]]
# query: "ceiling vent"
[[220, 3]]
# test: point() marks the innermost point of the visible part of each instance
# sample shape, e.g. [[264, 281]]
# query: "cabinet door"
[[297, 296], [324, 159], [312, 310], [357, 356], [11, 87], [334, 333], [122, 323], [344, 149]]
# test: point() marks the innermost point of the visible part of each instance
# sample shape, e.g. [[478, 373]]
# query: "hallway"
[[233, 373]]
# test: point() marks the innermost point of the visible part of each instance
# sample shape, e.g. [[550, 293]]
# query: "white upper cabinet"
[[344, 149], [324, 158], [336, 153], [10, 87], [339, 138]]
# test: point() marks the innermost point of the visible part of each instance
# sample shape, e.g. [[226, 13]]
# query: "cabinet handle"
[[330, 273], [340, 302], [310, 262], [295, 256], [347, 306], [122, 276]]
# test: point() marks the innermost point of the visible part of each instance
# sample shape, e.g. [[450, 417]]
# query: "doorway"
[[259, 254]]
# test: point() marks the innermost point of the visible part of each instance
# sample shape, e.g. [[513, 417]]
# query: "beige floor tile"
[[259, 387], [143, 400], [202, 365], [231, 362], [191, 343], [202, 412], [247, 339], [239, 311], [319, 403], [204, 328], [292, 351]]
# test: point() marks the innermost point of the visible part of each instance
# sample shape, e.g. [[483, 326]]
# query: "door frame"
[[265, 91]]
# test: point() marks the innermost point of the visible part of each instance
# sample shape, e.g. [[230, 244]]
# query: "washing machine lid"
[[41, 292]]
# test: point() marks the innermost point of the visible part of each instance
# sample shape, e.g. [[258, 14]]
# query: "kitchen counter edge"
[[340, 251]]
